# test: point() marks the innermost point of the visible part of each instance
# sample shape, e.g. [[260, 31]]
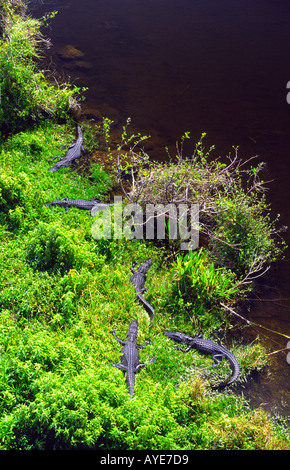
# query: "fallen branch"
[[253, 323]]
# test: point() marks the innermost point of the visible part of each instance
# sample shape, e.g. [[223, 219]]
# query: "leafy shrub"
[[12, 189], [14, 197], [52, 248], [199, 287], [26, 95], [101, 178], [198, 278], [87, 409], [245, 236], [234, 218]]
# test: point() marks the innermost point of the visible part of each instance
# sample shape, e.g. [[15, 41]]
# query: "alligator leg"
[[132, 267], [218, 359], [66, 199], [53, 158], [144, 345], [120, 366], [118, 339], [183, 350], [140, 366]]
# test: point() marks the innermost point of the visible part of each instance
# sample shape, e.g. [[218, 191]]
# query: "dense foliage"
[[26, 93], [62, 292], [234, 216]]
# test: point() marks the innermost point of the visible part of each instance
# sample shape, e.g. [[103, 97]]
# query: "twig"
[[252, 323], [275, 352]]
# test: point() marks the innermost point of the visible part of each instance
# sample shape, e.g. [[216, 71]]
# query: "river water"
[[199, 66]]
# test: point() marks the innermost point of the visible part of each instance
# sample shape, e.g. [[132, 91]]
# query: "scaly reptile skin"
[[138, 280], [130, 357], [74, 152], [94, 205], [207, 346]]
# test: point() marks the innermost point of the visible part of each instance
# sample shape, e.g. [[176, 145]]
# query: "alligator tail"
[[235, 367], [131, 382], [149, 309]]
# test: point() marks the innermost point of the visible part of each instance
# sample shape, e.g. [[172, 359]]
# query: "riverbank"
[[64, 292]]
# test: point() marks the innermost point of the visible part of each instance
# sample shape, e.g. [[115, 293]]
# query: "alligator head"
[[145, 266], [57, 166], [176, 336], [179, 337]]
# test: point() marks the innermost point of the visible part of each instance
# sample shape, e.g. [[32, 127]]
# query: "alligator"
[[130, 358], [206, 346], [94, 205], [138, 279], [74, 152]]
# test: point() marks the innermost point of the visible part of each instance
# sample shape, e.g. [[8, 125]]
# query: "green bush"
[[77, 406], [234, 217], [199, 279], [26, 94], [52, 248], [199, 287], [12, 189], [15, 198], [245, 236]]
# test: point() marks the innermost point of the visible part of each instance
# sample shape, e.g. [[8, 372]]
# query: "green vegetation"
[[26, 94], [62, 293], [234, 217]]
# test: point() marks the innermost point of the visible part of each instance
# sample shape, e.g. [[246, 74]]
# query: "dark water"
[[199, 66]]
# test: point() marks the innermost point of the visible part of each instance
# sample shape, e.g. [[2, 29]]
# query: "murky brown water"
[[196, 65]]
